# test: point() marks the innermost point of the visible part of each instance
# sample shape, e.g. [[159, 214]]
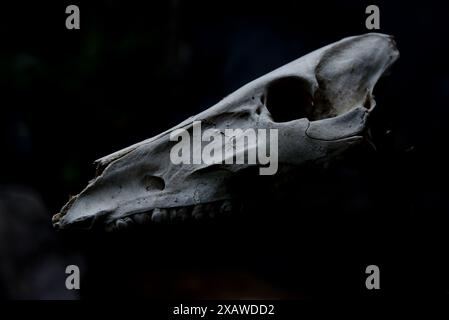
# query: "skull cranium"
[[319, 105]]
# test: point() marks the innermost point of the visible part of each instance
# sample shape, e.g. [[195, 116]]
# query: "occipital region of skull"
[[319, 105]]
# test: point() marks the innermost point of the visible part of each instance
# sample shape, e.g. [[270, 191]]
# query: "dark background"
[[69, 97]]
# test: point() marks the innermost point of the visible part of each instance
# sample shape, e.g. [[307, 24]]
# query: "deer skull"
[[319, 105]]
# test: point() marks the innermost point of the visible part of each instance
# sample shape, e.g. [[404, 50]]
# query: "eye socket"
[[288, 99]]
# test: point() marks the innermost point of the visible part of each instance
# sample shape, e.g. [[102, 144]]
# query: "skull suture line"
[[319, 105]]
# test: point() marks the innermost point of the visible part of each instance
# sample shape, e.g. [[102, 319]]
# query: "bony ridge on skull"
[[317, 105]]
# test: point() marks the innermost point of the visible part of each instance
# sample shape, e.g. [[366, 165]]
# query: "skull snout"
[[86, 222]]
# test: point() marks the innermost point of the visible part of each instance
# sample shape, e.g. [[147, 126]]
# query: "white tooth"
[[159, 215], [120, 224], [183, 213], [179, 214], [197, 212], [226, 208], [142, 218], [172, 213], [128, 221]]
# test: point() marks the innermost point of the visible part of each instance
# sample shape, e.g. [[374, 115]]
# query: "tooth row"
[[178, 214]]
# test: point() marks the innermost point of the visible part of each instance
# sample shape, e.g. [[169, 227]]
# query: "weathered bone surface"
[[319, 103]]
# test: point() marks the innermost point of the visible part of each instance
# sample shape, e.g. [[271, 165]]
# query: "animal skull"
[[319, 105]]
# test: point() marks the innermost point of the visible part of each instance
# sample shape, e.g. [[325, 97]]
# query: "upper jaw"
[[107, 221], [346, 127], [86, 222]]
